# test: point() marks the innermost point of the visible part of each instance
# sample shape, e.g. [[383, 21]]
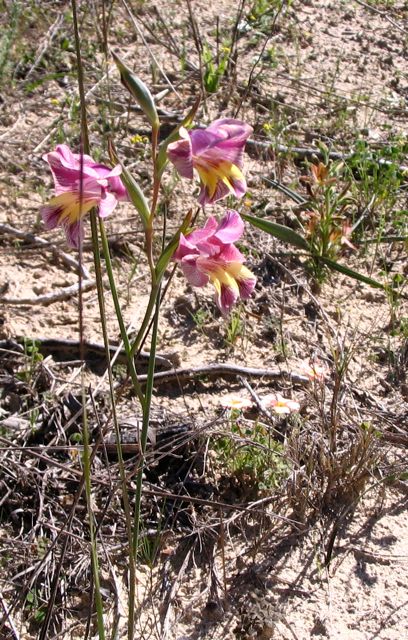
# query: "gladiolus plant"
[[206, 254]]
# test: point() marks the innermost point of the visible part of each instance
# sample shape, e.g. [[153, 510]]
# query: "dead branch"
[[49, 298], [68, 260]]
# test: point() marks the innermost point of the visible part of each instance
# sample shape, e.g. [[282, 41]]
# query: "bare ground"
[[320, 554]]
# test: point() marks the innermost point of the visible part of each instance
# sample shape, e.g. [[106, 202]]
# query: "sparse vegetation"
[[131, 504]]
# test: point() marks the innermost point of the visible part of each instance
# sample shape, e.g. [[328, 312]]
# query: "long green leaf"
[[335, 266], [280, 231]]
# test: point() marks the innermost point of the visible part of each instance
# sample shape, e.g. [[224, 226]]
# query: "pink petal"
[[115, 184], [230, 253], [206, 232], [230, 228], [66, 170], [202, 140], [231, 128], [107, 204], [180, 154], [226, 151], [194, 276], [185, 248]]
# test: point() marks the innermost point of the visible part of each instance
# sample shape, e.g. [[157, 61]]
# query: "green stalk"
[[86, 457], [88, 492], [132, 369], [142, 444], [130, 352], [125, 494], [149, 310], [146, 418], [156, 173]]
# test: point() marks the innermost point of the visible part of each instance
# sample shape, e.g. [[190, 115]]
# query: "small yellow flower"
[[138, 139]]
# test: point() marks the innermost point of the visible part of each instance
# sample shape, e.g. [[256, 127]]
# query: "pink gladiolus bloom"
[[279, 404], [216, 154], [209, 255], [100, 187]]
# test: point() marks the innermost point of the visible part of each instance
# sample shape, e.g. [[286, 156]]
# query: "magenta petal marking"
[[226, 299], [51, 215], [74, 233], [246, 287], [221, 191]]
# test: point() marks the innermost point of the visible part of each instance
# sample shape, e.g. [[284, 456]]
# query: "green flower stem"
[[88, 493], [141, 463], [145, 426], [125, 494], [86, 456], [125, 338], [149, 310], [149, 249]]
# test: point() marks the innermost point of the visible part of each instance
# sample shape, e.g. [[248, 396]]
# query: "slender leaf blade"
[[335, 266], [280, 231]]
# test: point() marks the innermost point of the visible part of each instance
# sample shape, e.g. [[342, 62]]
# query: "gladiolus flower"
[[209, 255], [235, 402], [279, 404], [216, 154], [100, 187]]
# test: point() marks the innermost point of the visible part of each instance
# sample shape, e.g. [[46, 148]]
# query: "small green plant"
[[375, 179], [324, 219], [36, 609], [32, 358], [201, 318], [250, 453], [215, 68], [235, 328], [8, 36]]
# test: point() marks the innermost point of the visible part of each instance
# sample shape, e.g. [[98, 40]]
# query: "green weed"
[[32, 358], [215, 67], [251, 454]]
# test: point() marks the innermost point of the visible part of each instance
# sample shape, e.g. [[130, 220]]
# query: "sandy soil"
[[328, 71]]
